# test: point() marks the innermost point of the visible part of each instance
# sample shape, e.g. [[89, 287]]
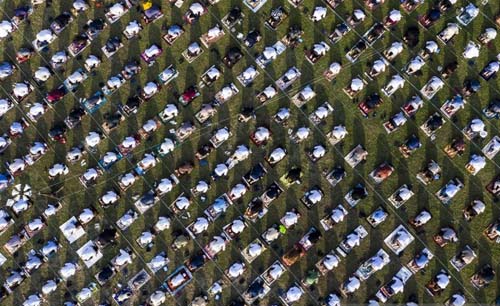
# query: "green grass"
[[369, 132]]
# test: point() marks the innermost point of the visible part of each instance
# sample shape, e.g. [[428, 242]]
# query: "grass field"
[[366, 131]]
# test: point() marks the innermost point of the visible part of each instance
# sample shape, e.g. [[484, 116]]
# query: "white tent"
[[117, 9], [290, 218], [307, 93], [92, 61], [352, 284], [221, 170], [196, 8], [150, 88], [352, 240], [249, 73], [357, 84], [319, 49], [262, 134], [167, 146], [318, 151], [490, 33], [36, 109], [92, 139], [333, 300], [122, 258], [442, 280], [359, 14], [269, 53], [86, 216], [283, 113], [80, 5], [379, 66], [129, 142], [314, 196], [330, 262], [145, 238], [200, 225], [6, 28], [165, 185], [237, 226], [431, 46], [194, 48], [277, 154], [59, 57], [202, 187], [457, 300], [214, 32], [133, 27], [68, 270], [49, 287], [293, 294], [405, 193], [157, 298], [319, 13], [149, 125], [152, 51], [20, 89], [416, 64], [339, 132], [45, 36], [217, 244], [127, 179], [334, 68], [471, 50], [110, 157], [76, 77], [254, 249], [213, 73], [337, 215], [275, 271], [236, 270], [42, 74], [241, 152], [109, 197], [477, 162], [57, 169], [302, 133], [158, 262], [238, 191], [35, 224], [114, 82], [33, 300], [222, 134], [291, 74], [182, 203], [395, 16]]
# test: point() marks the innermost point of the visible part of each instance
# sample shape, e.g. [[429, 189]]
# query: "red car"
[[189, 95], [56, 95]]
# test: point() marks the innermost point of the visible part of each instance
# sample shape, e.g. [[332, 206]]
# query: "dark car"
[[131, 106], [232, 57], [112, 44], [234, 15], [196, 262], [107, 237], [60, 22], [58, 133], [252, 38], [148, 199], [255, 174], [95, 27], [74, 117], [105, 275], [272, 192]]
